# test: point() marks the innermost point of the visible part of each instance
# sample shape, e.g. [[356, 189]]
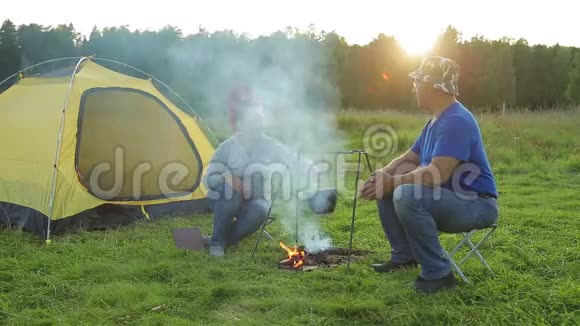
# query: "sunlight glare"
[[415, 44]]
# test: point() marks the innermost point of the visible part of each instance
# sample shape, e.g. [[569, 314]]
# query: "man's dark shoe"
[[392, 266], [430, 286]]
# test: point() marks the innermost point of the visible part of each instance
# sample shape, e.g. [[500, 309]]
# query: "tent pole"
[[203, 124], [36, 65], [216, 142], [57, 154]]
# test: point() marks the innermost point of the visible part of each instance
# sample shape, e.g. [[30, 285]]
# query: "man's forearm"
[[399, 166], [428, 176]]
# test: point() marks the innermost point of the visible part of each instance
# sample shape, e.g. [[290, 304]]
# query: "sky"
[[415, 24]]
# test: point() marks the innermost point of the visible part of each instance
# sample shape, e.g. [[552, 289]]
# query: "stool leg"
[[483, 261], [262, 230], [479, 244], [268, 235], [466, 237], [260, 237], [478, 254], [456, 268]]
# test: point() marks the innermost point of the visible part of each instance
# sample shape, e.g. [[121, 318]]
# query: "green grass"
[[135, 275]]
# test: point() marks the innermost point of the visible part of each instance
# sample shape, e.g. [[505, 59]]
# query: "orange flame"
[[295, 255]]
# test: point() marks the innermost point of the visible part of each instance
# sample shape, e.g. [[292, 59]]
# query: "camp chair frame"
[[269, 219], [474, 250]]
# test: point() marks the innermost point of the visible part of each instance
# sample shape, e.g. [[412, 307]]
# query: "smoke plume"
[[291, 77]]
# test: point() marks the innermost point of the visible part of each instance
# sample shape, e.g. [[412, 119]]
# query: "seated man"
[[238, 175], [442, 183]]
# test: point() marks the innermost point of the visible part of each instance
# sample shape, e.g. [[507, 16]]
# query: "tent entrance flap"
[[131, 147]]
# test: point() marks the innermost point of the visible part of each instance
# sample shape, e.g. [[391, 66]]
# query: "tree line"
[[495, 74]]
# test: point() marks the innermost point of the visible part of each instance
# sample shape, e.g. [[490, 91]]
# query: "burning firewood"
[[299, 259], [295, 256]]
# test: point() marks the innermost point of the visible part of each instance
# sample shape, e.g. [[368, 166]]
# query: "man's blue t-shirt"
[[455, 133]]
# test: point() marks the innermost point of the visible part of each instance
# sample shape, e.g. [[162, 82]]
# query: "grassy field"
[[135, 275]]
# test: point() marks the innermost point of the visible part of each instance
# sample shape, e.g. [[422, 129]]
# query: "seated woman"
[[237, 177]]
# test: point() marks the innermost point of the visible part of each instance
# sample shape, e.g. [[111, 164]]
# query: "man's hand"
[[377, 185], [235, 182], [368, 185]]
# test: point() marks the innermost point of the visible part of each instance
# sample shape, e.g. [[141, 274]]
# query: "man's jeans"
[[235, 217], [414, 214]]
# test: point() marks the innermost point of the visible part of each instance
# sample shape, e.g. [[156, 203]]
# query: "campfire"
[[295, 258], [300, 260]]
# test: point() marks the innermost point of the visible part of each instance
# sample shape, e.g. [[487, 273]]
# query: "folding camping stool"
[[269, 219], [474, 250]]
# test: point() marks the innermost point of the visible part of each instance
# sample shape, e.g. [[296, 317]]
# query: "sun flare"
[[416, 44]]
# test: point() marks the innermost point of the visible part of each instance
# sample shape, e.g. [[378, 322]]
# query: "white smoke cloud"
[[292, 79]]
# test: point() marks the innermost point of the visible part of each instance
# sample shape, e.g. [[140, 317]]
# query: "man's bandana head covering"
[[441, 73]]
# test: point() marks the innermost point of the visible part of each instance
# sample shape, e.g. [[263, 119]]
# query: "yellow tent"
[[94, 139]]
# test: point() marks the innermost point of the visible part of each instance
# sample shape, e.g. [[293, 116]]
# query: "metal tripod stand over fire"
[[268, 220]]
